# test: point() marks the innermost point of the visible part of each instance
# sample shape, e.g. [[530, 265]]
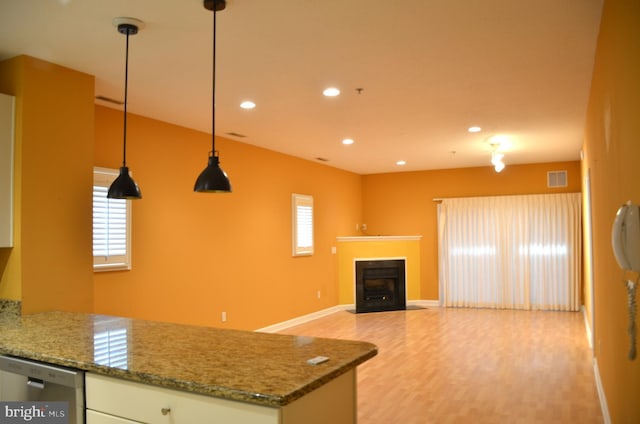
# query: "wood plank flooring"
[[446, 365]]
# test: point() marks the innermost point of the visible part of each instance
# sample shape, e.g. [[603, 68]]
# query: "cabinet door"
[[158, 405], [7, 120]]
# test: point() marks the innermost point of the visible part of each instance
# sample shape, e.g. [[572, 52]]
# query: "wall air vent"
[[556, 179]]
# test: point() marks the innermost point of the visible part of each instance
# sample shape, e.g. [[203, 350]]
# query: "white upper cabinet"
[[7, 122]]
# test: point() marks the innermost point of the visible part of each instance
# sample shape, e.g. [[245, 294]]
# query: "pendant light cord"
[[126, 83], [213, 96]]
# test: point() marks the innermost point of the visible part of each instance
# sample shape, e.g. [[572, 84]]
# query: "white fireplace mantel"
[[378, 238]]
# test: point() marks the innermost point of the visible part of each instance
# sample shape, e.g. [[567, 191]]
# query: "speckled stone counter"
[[10, 308], [259, 368]]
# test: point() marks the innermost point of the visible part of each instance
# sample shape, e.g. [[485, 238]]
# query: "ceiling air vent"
[[556, 179]]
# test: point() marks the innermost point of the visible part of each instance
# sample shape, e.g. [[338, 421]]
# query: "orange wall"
[[196, 255], [50, 263], [402, 203], [612, 154]]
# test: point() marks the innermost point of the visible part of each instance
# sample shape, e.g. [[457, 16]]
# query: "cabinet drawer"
[[158, 405], [94, 417]]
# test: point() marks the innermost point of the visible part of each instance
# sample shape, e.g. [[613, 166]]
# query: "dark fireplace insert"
[[380, 285]]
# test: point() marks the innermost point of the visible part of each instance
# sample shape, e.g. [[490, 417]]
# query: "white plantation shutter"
[[302, 224], [111, 225]]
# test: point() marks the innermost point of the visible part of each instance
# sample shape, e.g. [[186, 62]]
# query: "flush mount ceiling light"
[[401, 162], [247, 104], [123, 187], [331, 92], [347, 141], [213, 179], [474, 129]]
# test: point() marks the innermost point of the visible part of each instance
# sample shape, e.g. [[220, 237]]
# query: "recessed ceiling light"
[[401, 162], [347, 141], [331, 92], [474, 129], [247, 104]]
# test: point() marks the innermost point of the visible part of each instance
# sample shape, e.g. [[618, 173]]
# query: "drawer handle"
[[165, 411], [35, 382]]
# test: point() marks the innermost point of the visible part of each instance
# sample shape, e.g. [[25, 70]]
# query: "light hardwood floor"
[[443, 365]]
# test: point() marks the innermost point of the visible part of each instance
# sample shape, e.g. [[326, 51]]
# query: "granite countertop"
[[259, 368]]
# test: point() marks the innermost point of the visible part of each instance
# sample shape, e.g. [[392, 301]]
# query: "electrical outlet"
[[364, 227], [333, 250], [357, 227], [318, 294], [224, 317]]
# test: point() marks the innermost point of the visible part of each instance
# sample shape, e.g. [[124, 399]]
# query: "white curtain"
[[518, 252]]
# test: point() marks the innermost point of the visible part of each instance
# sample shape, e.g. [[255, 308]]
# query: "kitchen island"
[[125, 358]]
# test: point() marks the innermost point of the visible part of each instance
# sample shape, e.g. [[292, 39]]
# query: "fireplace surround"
[[380, 285]]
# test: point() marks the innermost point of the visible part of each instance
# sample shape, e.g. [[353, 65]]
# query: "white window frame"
[[121, 258], [302, 224]]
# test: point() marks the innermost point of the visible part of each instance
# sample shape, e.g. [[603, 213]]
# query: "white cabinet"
[[152, 404], [7, 120], [114, 401], [95, 417]]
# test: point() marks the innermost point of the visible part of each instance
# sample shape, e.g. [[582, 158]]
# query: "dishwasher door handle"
[[35, 383]]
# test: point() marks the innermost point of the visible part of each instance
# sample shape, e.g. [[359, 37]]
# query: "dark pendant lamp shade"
[[213, 179], [124, 187]]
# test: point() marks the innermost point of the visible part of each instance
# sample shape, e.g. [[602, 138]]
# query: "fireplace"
[[380, 285]]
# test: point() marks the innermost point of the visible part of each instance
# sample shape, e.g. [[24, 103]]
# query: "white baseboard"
[[601, 396], [324, 312], [424, 303], [303, 319], [587, 326], [603, 399]]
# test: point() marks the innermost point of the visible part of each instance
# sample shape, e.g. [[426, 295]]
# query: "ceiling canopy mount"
[[215, 5]]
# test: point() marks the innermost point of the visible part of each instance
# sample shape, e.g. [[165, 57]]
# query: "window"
[[111, 225], [302, 228], [520, 252]]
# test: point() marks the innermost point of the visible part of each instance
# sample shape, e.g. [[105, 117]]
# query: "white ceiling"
[[429, 69]]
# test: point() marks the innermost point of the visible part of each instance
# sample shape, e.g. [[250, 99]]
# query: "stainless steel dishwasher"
[[25, 380]]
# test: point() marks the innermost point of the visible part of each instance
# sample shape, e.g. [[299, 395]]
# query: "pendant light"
[[123, 187], [213, 179]]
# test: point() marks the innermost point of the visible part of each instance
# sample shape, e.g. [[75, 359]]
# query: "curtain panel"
[[516, 252]]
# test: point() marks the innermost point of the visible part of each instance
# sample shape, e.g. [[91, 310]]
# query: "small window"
[[302, 219], [111, 225]]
